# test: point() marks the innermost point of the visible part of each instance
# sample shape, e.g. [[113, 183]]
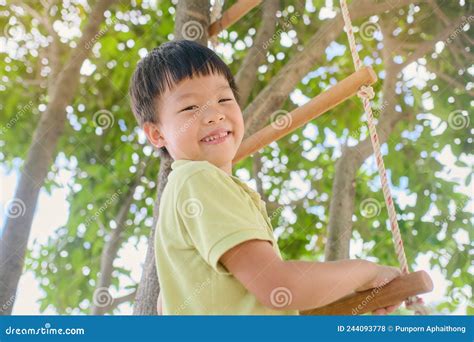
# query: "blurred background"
[[79, 181]]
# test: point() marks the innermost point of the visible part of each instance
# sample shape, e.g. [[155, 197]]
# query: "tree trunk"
[[247, 74], [149, 288], [112, 246], [341, 207], [343, 192], [192, 21], [40, 156]]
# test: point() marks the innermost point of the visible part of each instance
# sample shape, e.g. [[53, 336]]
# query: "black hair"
[[167, 65]]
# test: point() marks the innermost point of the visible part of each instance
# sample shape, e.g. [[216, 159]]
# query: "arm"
[[304, 284]]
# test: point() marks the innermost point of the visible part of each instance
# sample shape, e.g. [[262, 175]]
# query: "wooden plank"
[[392, 293], [232, 15], [319, 105]]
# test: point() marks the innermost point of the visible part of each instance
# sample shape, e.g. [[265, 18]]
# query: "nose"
[[214, 116]]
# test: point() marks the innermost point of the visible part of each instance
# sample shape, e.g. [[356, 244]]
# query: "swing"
[[408, 286]]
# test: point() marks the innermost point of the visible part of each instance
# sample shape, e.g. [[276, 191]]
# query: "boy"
[[214, 244]]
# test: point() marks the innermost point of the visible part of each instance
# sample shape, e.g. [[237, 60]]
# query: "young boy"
[[214, 244]]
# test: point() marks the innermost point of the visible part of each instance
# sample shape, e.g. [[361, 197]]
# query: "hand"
[[383, 275], [387, 310]]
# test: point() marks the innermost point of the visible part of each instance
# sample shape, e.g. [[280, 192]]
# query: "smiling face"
[[199, 119]]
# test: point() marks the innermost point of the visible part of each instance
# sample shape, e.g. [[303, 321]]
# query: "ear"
[[153, 133]]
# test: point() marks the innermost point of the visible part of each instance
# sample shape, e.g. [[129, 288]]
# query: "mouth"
[[216, 139]]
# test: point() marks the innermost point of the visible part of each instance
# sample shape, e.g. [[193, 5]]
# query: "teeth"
[[214, 137]]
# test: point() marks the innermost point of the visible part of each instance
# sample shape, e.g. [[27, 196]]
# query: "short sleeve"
[[218, 215]]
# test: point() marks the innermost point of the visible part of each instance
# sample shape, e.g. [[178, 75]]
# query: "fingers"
[[386, 310], [380, 311], [392, 308]]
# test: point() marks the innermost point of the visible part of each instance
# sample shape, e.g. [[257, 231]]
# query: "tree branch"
[[119, 300], [444, 18], [439, 13], [453, 82], [276, 92], [247, 74], [461, 49], [256, 168], [427, 46]]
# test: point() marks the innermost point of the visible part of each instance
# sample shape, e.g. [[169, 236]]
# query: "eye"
[[188, 108], [224, 100]]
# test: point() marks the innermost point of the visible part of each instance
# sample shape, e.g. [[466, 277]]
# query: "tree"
[[317, 182], [62, 86]]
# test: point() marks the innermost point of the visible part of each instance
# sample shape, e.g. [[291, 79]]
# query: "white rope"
[[366, 94]]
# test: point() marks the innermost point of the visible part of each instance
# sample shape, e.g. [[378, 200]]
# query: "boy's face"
[[190, 113]]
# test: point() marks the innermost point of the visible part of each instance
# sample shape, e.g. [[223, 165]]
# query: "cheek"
[[185, 130], [237, 116], [239, 122]]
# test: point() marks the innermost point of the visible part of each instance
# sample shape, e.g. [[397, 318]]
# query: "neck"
[[227, 168]]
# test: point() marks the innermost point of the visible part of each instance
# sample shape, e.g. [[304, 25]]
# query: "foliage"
[[103, 162]]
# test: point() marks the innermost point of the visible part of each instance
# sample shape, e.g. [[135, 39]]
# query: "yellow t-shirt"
[[203, 213]]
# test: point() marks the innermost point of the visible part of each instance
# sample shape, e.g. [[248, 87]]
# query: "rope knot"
[[366, 92]]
